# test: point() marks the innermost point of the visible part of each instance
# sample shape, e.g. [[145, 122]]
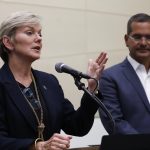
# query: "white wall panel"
[[123, 7], [77, 4], [105, 31], [65, 32]]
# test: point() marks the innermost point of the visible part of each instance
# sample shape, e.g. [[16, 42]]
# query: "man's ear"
[[126, 39], [7, 42]]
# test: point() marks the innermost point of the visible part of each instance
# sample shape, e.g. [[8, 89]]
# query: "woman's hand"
[[56, 142], [95, 68]]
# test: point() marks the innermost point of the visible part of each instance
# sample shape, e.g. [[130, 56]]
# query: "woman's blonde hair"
[[9, 26]]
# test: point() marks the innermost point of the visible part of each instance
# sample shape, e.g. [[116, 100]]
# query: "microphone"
[[61, 67]]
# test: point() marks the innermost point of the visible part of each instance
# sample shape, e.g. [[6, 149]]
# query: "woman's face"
[[27, 42]]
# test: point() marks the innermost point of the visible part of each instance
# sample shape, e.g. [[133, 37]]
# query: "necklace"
[[41, 125]]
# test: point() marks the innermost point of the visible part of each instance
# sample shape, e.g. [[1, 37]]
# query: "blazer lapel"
[[17, 97], [135, 81], [45, 91], [48, 94]]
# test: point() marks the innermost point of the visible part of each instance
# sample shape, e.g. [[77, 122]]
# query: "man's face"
[[138, 41]]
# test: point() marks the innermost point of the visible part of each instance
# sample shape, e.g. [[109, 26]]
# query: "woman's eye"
[[29, 32]]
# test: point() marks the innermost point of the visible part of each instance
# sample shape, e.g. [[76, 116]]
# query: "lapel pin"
[[44, 87]]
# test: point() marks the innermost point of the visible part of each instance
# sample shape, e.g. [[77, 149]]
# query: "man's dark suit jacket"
[[18, 126], [125, 98]]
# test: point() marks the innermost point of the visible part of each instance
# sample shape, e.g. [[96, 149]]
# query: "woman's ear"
[[8, 42]]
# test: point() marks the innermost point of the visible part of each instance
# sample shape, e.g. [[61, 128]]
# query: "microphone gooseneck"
[[61, 67]]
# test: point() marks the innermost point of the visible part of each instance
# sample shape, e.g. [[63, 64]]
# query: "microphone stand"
[[81, 86]]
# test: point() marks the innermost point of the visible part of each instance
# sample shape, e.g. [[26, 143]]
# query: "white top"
[[143, 75]]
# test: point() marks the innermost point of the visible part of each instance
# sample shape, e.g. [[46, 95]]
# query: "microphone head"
[[58, 67], [61, 67]]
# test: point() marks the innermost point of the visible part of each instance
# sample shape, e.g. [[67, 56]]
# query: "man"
[[126, 86]]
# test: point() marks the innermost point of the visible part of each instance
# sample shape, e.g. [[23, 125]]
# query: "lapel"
[[46, 91], [130, 74], [13, 90]]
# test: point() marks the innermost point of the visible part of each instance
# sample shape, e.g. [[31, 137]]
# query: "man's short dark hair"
[[140, 17]]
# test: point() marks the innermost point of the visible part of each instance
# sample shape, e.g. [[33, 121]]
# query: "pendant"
[[40, 130]]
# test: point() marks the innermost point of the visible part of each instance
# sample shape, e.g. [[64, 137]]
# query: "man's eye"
[[137, 37], [147, 37]]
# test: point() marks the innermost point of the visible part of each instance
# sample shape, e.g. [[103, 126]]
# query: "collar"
[[136, 65]]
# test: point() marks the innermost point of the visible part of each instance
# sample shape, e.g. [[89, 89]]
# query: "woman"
[[33, 109]]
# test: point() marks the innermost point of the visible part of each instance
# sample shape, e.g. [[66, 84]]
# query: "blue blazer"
[[125, 98], [18, 126]]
